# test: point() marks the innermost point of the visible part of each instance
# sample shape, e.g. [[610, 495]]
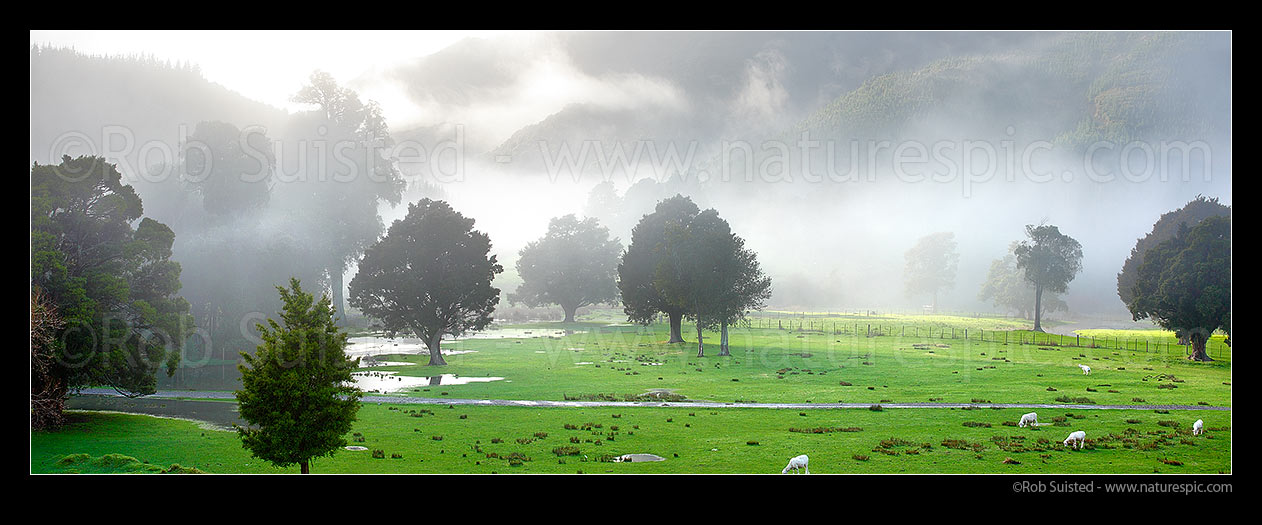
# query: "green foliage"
[[1050, 260], [297, 391], [113, 286], [573, 265], [1184, 284], [641, 299], [1164, 229], [429, 276]]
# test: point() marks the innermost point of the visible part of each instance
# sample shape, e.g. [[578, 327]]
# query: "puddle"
[[377, 345], [355, 448], [388, 382], [217, 415], [650, 364], [583, 363], [638, 458], [374, 364]]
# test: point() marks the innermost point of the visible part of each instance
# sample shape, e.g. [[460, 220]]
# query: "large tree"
[[743, 287], [114, 285], [1184, 283], [931, 265], [696, 269], [1007, 288], [1050, 260], [430, 276], [641, 299], [297, 392], [348, 174], [1164, 229], [574, 265]]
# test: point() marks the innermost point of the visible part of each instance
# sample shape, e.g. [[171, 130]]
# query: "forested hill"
[[151, 98], [1074, 90]]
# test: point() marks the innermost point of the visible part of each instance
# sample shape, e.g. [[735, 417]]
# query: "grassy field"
[[485, 440], [914, 360]]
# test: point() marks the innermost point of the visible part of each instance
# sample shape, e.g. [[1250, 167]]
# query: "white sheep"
[[1198, 428], [1031, 419], [1077, 437], [1085, 369], [795, 464]]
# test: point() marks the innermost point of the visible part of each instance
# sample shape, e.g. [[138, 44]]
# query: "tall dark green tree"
[[297, 392], [348, 177], [1165, 229], [1184, 284], [641, 299], [931, 265], [743, 287], [1050, 260], [574, 265], [114, 286], [697, 270], [430, 276]]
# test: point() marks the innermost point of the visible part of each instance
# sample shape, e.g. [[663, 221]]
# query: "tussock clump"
[[1167, 423], [378, 454], [844, 383], [1010, 461], [859, 457], [961, 444], [876, 408], [566, 451], [1173, 462], [976, 424], [825, 430], [753, 443]]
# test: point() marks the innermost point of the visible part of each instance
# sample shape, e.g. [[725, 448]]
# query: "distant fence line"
[[1020, 337]]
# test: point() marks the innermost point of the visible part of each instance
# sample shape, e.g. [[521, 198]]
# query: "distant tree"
[[1050, 260], [429, 276], [1185, 283], [297, 392], [574, 265], [351, 175], [1006, 288], [604, 204], [697, 270], [743, 288], [114, 286], [233, 171], [931, 265], [641, 299], [1164, 229]]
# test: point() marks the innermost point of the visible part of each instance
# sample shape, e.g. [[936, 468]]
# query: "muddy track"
[[170, 394]]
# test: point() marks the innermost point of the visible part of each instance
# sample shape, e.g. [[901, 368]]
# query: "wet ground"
[[219, 414]]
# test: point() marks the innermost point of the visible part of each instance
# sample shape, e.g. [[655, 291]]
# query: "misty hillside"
[[72, 92], [1077, 89], [1070, 89]]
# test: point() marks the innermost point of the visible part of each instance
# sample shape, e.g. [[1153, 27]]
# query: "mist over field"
[[830, 153]]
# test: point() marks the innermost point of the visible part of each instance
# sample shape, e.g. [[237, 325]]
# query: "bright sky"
[[269, 66]]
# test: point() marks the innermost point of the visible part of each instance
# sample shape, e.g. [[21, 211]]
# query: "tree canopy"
[[931, 265], [429, 276], [1184, 284], [637, 271], [1050, 260], [297, 392], [1165, 228], [1007, 288], [231, 170], [114, 286], [573, 265]]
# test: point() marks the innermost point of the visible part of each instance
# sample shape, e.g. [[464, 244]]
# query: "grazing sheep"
[[1198, 428], [795, 464], [1085, 369], [1077, 437], [1031, 419]]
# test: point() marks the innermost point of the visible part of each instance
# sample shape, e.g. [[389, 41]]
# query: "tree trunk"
[[1198, 349], [1038, 307], [700, 345], [306, 468], [723, 339], [435, 353], [676, 323], [335, 275], [569, 313]]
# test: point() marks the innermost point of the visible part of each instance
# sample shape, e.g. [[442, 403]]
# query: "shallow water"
[[389, 382], [377, 345], [220, 415]]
